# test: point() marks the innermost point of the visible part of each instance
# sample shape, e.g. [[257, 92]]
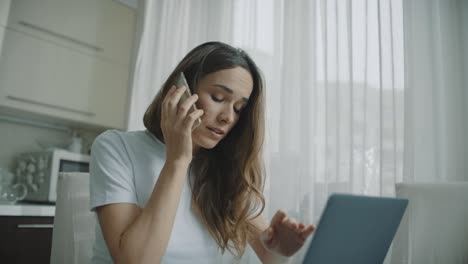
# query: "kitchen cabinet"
[[25, 239], [2, 34], [68, 60], [4, 10], [101, 28], [40, 76]]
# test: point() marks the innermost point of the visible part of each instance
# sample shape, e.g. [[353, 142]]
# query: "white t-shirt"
[[124, 169]]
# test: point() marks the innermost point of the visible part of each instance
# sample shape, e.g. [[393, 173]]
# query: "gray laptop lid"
[[355, 229]]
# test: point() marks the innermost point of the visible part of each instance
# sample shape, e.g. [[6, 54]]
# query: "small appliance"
[[39, 171]]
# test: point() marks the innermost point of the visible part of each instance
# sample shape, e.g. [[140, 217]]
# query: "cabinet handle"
[[61, 36], [35, 226], [50, 105]]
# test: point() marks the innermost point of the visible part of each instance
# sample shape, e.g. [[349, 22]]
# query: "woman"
[[181, 193]]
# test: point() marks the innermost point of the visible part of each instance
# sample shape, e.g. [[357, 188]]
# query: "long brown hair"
[[228, 182]]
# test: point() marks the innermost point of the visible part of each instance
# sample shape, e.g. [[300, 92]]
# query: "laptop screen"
[[355, 229]]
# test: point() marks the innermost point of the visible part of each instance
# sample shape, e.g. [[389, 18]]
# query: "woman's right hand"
[[177, 123]]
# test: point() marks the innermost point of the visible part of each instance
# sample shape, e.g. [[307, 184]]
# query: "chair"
[[434, 228], [73, 233]]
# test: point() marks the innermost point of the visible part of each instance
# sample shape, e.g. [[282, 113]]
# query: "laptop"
[[355, 229]]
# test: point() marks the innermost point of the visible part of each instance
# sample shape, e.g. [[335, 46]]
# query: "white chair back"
[[74, 224], [434, 228]]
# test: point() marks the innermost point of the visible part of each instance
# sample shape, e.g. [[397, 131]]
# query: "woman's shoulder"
[[109, 138], [117, 136], [115, 139], [109, 135]]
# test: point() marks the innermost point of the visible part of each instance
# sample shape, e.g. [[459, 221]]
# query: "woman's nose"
[[227, 115]]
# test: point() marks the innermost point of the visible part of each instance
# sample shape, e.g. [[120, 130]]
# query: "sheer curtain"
[[436, 126], [334, 82], [436, 48]]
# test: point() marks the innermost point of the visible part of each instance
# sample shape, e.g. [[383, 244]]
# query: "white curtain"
[[436, 129], [436, 118], [334, 82]]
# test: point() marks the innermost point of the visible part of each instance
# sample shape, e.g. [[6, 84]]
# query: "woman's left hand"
[[285, 236]]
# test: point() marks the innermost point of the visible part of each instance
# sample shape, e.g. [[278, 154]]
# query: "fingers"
[[267, 235], [187, 106], [172, 99], [301, 229], [270, 233], [171, 90], [164, 113], [185, 109], [281, 218], [176, 96], [192, 118], [307, 231], [291, 223], [170, 94], [269, 238], [278, 218], [168, 108]]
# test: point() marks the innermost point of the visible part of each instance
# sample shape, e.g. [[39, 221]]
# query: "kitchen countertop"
[[21, 209]]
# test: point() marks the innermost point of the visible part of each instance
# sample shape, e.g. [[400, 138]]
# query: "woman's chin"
[[204, 142]]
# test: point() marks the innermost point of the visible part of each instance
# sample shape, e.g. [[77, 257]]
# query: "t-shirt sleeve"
[[111, 173]]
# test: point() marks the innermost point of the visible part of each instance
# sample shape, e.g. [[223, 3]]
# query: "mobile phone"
[[181, 81]]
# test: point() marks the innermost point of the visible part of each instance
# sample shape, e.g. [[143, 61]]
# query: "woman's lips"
[[216, 131]]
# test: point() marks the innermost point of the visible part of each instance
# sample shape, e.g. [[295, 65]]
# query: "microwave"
[[39, 172]]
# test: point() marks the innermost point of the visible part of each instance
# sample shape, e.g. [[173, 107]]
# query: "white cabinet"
[[2, 35], [42, 77], [103, 28], [4, 9], [68, 59]]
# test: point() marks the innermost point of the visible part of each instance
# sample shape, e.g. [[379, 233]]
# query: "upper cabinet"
[[4, 10], [68, 59], [103, 28]]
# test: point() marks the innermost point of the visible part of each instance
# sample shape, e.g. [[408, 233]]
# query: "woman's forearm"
[[145, 241]]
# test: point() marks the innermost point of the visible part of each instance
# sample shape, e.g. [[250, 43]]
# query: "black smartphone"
[[181, 81]]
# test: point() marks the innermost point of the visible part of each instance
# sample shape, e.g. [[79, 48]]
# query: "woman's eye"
[[216, 99], [239, 110]]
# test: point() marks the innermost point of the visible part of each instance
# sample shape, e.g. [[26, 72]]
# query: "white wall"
[[16, 138], [464, 29]]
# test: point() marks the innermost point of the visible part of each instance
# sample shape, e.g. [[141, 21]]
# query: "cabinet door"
[[2, 37], [25, 239], [103, 28], [4, 10], [40, 76]]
